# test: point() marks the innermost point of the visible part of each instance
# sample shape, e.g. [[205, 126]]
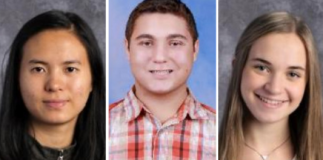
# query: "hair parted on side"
[[14, 117], [175, 7], [305, 123]]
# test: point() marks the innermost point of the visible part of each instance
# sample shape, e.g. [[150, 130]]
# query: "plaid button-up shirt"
[[136, 135]]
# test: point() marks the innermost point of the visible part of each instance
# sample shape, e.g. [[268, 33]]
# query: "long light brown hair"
[[305, 123]]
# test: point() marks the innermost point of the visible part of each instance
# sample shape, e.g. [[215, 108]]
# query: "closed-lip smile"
[[55, 103]]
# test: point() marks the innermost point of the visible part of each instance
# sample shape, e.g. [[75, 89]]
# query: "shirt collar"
[[41, 152], [133, 106], [190, 107]]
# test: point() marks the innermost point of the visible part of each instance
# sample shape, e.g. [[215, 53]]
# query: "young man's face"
[[161, 53]]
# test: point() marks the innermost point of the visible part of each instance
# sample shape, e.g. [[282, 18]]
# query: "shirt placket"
[[161, 141], [61, 155]]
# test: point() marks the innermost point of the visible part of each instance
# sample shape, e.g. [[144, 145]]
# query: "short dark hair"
[[14, 117], [175, 7]]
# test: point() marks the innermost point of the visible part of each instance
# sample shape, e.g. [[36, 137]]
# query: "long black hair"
[[14, 117]]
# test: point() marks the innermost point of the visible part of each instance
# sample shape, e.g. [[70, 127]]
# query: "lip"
[[271, 102], [56, 103], [161, 73]]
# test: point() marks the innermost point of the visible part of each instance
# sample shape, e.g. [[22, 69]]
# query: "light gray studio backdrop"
[[15, 13], [235, 15]]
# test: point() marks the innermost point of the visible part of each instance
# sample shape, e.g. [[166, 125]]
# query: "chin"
[[270, 119], [160, 91], [57, 120]]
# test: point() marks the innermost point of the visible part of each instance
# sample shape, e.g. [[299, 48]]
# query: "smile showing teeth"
[[161, 71], [270, 101]]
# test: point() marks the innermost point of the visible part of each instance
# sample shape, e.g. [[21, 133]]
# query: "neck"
[[267, 137], [53, 136], [162, 106]]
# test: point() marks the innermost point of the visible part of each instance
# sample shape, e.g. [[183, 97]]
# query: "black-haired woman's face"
[[55, 77]]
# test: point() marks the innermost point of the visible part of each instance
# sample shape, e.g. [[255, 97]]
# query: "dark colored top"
[[40, 152]]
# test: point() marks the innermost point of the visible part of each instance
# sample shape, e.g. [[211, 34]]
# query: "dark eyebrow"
[[172, 36], [148, 36], [268, 63], [35, 61], [73, 62]]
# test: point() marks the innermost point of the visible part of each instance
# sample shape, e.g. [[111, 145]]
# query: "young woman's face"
[[55, 77], [274, 77]]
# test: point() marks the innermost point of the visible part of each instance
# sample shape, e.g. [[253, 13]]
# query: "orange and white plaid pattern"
[[136, 135]]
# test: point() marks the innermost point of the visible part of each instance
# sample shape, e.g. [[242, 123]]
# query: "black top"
[[40, 152]]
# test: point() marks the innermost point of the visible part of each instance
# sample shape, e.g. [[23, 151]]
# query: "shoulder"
[[200, 109], [116, 110], [208, 108], [115, 105], [211, 113]]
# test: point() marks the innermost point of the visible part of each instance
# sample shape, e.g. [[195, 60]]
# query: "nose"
[[275, 84], [54, 82], [160, 54]]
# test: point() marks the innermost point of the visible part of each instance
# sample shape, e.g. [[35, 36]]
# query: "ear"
[[127, 48], [196, 49]]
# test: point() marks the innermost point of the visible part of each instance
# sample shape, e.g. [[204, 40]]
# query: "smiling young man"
[[159, 118]]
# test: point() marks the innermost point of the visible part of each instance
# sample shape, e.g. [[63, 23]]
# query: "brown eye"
[[38, 69], [146, 43], [294, 75], [176, 43], [71, 69], [262, 68]]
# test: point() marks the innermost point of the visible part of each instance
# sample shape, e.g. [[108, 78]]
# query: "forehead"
[[280, 48], [59, 42], [160, 24], [54, 35]]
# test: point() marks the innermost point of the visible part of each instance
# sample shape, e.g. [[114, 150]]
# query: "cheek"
[[30, 89], [297, 92], [250, 83], [140, 55], [80, 87], [183, 56], [138, 60], [79, 92], [251, 80], [31, 95], [246, 80], [184, 60]]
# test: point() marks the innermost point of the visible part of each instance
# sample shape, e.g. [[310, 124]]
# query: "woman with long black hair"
[[53, 99]]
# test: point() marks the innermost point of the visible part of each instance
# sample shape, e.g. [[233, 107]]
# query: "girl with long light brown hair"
[[273, 109]]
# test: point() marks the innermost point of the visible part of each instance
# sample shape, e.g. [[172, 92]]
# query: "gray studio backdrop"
[[235, 15], [15, 13]]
